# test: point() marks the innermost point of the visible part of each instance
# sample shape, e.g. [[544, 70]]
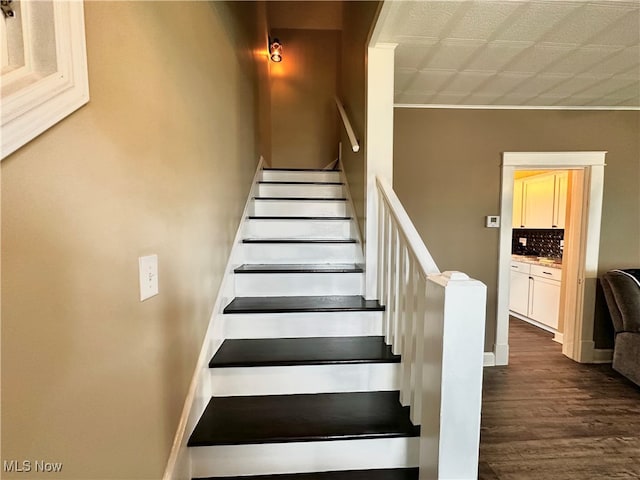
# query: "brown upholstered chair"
[[622, 292]]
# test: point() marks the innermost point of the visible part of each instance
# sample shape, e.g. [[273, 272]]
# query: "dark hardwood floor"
[[545, 417]]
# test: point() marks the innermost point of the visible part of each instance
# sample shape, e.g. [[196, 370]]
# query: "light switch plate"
[[493, 221], [148, 267]]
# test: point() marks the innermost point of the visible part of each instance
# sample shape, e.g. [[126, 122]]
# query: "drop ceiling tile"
[[480, 99], [411, 55], [495, 55], [545, 100], [420, 19], [622, 61], [513, 99], [625, 32], [482, 19], [411, 98], [504, 82], [619, 87], [452, 54], [586, 22], [630, 102], [402, 77], [575, 85], [536, 20], [430, 80], [538, 57], [464, 83], [539, 84], [448, 98], [582, 59]]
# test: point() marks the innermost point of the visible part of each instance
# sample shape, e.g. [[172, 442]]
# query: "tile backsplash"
[[542, 242]]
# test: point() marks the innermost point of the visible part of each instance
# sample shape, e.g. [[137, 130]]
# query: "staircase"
[[304, 384]]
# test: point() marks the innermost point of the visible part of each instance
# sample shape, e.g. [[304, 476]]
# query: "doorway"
[[582, 242]]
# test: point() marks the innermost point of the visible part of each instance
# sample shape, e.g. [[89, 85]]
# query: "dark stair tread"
[[300, 268], [271, 217], [377, 474], [281, 182], [299, 240], [302, 418], [327, 303], [271, 352], [321, 199], [299, 170]]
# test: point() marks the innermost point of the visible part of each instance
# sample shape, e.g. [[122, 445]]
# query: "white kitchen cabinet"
[[560, 199], [544, 301], [540, 201], [519, 288], [535, 293], [517, 203]]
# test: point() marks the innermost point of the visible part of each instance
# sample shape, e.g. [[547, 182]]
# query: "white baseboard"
[[602, 355], [559, 338], [489, 359], [199, 393]]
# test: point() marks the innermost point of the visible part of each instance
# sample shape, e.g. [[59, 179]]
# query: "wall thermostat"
[[493, 221]]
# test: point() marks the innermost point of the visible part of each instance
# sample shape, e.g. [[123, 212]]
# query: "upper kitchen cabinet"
[[540, 201]]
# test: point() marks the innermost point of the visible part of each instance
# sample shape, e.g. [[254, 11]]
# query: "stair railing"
[[436, 322], [355, 146]]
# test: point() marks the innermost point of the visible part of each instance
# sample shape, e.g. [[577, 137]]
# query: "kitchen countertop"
[[545, 262]]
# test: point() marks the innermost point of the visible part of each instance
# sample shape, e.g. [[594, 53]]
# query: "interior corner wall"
[[358, 19], [159, 162], [304, 120], [447, 168]]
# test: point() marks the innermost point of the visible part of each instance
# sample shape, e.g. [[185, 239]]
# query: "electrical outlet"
[[148, 269]]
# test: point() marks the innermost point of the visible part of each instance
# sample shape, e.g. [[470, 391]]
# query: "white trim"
[[489, 359], [541, 160], [31, 110], [379, 151], [602, 355], [508, 107], [200, 390], [558, 338], [593, 163]]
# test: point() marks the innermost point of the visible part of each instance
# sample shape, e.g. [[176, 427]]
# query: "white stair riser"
[[303, 191], [299, 457], [292, 176], [255, 228], [300, 208], [309, 324], [291, 284], [366, 377], [301, 253]]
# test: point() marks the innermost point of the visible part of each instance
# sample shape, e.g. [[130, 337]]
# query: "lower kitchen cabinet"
[[535, 293]]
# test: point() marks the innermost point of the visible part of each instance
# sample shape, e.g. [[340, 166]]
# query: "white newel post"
[[453, 346]]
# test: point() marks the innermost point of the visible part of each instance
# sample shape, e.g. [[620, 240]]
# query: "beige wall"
[[304, 123], [447, 174], [159, 161], [358, 20]]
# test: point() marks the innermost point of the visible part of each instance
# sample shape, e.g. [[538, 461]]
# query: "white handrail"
[[414, 241], [347, 126]]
